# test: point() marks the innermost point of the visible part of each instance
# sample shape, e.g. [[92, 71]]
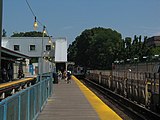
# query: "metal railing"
[[26, 104]]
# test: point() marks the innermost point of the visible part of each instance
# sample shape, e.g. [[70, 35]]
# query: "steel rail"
[[134, 108], [9, 88]]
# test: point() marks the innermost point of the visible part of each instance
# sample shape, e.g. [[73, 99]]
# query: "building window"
[[16, 48], [32, 48], [48, 47]]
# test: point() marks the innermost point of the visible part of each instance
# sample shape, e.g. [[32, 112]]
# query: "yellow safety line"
[[103, 111], [15, 82]]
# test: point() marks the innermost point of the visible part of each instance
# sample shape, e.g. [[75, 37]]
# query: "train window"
[[16, 48]]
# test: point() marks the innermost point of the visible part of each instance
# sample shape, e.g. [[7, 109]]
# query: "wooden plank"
[[67, 103]]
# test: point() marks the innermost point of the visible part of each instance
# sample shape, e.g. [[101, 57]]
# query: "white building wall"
[[60, 52], [24, 43]]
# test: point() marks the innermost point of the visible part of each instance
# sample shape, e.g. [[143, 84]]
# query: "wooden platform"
[[67, 103]]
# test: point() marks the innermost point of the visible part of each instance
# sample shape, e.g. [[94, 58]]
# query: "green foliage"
[[155, 50], [128, 44], [96, 48], [28, 34]]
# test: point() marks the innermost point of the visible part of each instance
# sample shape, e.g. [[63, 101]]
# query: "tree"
[[128, 44], [29, 34], [96, 48], [72, 52]]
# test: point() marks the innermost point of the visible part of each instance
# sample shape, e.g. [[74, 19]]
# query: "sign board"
[[61, 50]]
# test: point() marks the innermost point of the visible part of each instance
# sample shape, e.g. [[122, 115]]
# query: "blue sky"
[[68, 18]]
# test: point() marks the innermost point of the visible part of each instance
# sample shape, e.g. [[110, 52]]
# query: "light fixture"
[[35, 25], [50, 40], [128, 59], [156, 55], [44, 30], [135, 58], [53, 45]]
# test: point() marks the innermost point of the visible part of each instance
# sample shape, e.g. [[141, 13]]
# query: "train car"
[[78, 71]]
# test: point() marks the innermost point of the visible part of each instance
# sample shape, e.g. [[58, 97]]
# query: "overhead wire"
[[44, 27], [30, 8], [34, 15]]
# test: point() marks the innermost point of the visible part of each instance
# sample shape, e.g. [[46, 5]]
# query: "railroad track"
[[136, 110], [10, 88]]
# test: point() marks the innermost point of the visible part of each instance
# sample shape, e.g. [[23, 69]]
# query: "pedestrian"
[[68, 76], [10, 74], [4, 74], [59, 75], [20, 73], [65, 75]]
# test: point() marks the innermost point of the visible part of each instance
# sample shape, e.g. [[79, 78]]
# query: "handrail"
[[27, 103]]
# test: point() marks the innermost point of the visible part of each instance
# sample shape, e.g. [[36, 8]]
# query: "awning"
[[7, 54]]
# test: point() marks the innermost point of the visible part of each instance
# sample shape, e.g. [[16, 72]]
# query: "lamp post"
[[145, 57], [156, 62], [116, 65], [156, 57], [136, 60], [1, 9], [128, 62], [42, 51], [52, 53]]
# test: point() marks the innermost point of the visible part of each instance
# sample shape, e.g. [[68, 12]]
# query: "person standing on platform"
[[4, 74], [10, 74], [65, 75], [20, 73], [68, 76], [59, 75]]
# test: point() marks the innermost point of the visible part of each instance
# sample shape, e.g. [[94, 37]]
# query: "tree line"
[[98, 48], [25, 34]]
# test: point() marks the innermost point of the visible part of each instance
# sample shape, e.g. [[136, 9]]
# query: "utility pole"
[[1, 10]]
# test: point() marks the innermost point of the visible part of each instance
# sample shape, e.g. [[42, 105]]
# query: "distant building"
[[153, 41], [32, 46], [61, 54]]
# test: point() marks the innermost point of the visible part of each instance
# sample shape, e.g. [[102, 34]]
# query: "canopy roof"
[[7, 54]]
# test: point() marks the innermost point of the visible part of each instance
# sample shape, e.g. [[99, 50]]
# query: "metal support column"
[[159, 91], [1, 10]]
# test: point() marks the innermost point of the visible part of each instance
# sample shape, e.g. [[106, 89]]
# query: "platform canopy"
[[7, 54]]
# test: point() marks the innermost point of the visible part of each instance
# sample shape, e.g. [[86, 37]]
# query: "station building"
[[13, 61], [43, 53]]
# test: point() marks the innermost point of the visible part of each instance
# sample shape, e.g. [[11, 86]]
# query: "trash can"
[[55, 78]]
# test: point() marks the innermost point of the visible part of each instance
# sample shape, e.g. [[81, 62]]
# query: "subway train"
[[78, 71]]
